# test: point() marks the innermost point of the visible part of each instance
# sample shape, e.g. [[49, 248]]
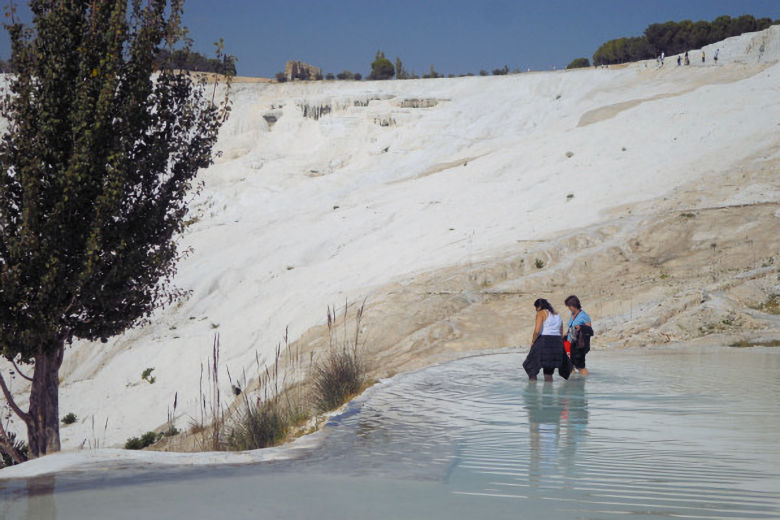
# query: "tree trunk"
[[43, 423]]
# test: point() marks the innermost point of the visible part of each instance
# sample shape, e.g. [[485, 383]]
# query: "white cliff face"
[[328, 190]]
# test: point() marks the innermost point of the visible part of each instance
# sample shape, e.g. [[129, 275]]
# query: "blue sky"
[[457, 36]]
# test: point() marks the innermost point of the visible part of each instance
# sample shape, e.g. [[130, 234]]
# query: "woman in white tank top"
[[547, 352], [552, 325]]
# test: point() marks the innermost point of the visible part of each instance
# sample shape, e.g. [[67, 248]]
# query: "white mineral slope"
[[306, 213]]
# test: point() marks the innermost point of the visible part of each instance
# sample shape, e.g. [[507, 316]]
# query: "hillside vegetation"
[[676, 37]]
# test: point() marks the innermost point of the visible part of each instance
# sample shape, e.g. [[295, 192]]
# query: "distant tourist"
[[679, 60], [715, 57], [703, 58], [687, 60], [580, 331], [547, 352], [663, 55]]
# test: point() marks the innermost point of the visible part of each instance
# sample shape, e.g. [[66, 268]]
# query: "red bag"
[[567, 346]]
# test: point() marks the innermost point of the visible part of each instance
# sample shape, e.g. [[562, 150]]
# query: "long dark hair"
[[573, 301], [543, 305]]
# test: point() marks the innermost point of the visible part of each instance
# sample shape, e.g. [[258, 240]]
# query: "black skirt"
[[549, 353]]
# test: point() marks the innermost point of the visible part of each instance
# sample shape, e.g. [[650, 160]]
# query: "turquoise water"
[[661, 434]]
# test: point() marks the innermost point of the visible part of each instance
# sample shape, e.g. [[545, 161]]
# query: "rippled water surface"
[[661, 434]]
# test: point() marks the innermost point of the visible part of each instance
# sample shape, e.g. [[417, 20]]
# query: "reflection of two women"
[[557, 421]]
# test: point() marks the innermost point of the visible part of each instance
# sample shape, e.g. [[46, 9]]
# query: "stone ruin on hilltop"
[[299, 70]]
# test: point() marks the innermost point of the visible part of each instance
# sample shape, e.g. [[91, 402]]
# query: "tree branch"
[[19, 371], [10, 399]]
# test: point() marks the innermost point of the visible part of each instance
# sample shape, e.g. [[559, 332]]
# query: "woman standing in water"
[[580, 330], [547, 352]]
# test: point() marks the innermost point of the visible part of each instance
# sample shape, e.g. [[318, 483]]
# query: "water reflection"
[[557, 422], [40, 498], [33, 499], [653, 435]]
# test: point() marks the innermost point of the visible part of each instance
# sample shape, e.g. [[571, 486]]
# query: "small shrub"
[[196, 428], [145, 440], [261, 425], [578, 63], [502, 71], [337, 378], [18, 445], [171, 431], [539, 263], [281, 77], [276, 410], [342, 373], [771, 306], [147, 376], [358, 76], [569, 196], [69, 418], [330, 76], [569, 154], [150, 438], [133, 443], [483, 72]]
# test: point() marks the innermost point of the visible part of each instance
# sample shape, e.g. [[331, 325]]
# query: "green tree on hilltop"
[[381, 68], [433, 74], [676, 37], [578, 63], [400, 71], [101, 149]]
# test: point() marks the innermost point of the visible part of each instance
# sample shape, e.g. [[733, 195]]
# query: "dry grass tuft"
[[341, 374], [277, 404]]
